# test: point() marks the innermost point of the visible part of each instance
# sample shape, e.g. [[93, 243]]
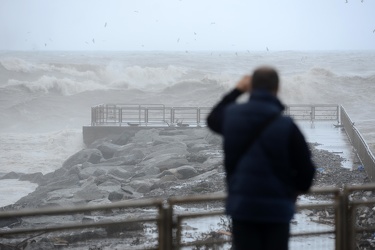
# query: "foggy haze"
[[184, 25]]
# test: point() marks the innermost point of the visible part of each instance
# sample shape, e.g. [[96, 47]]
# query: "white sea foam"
[[42, 152], [51, 84], [16, 64]]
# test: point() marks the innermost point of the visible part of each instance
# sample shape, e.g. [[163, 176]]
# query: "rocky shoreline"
[[159, 162]]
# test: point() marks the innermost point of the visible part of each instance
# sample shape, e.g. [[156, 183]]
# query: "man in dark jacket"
[[267, 162]]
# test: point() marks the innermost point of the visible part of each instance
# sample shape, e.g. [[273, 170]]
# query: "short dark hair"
[[265, 78]]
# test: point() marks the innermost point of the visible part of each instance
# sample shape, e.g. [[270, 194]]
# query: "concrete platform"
[[331, 138], [92, 133]]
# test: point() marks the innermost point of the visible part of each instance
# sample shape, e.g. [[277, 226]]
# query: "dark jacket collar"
[[266, 96]]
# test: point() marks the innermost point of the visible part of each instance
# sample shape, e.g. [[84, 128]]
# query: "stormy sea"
[[46, 97]]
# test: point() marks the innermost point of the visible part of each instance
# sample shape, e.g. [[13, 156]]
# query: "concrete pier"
[[93, 133]]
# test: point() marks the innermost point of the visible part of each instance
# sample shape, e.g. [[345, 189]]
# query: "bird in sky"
[[178, 39], [93, 40], [105, 25]]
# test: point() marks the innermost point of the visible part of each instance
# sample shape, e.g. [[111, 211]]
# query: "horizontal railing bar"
[[76, 226], [200, 214], [202, 242], [197, 198], [366, 186], [312, 206], [362, 230], [323, 190], [80, 209], [313, 233], [362, 202], [312, 105]]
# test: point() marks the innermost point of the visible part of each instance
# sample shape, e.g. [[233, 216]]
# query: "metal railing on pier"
[[160, 115], [362, 150]]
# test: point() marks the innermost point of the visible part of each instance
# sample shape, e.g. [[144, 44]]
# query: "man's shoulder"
[[238, 106]]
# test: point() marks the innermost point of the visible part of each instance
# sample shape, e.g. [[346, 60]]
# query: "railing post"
[[139, 114], [287, 110], [120, 116], [169, 227], [198, 115], [348, 241], [146, 115], [340, 221], [172, 115], [162, 240], [93, 116]]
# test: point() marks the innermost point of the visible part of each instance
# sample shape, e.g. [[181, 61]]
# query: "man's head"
[[265, 78]]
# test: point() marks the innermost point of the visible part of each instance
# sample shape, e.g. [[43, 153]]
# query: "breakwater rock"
[[159, 162]]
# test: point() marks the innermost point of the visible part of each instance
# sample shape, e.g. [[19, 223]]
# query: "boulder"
[[141, 186], [90, 192], [81, 157], [182, 173], [166, 161], [147, 135], [131, 158], [171, 163], [11, 175], [120, 173], [124, 138], [108, 149], [197, 147], [34, 177], [185, 172], [115, 196], [177, 148]]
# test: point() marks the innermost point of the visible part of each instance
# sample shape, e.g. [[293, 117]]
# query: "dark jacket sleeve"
[[303, 168], [216, 116]]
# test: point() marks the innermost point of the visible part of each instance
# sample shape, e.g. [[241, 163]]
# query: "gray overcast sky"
[[187, 24]]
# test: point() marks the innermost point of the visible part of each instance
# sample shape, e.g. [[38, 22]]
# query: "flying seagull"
[[93, 40], [105, 25]]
